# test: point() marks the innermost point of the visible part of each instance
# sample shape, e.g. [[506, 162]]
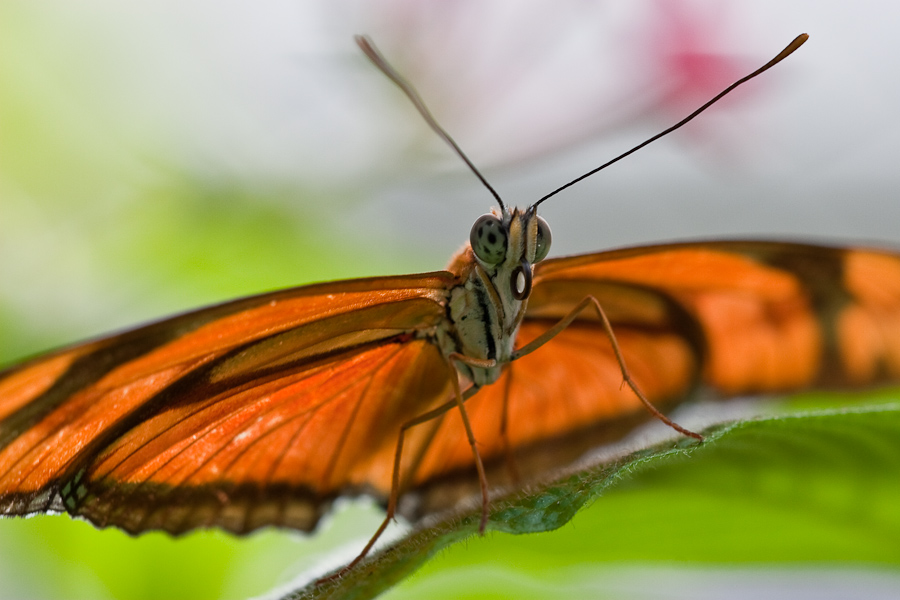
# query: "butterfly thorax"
[[485, 309]]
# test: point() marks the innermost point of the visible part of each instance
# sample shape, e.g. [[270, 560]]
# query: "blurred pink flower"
[[517, 81]]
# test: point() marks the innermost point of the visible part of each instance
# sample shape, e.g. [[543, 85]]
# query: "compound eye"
[[543, 240], [488, 239]]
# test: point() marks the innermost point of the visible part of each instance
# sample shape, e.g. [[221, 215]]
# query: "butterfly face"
[[488, 306]]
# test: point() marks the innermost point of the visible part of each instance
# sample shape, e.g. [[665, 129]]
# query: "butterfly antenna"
[[798, 41], [379, 61]]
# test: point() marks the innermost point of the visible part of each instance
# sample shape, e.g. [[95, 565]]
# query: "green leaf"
[[810, 487]]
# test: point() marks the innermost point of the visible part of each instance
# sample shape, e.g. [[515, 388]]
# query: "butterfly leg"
[[482, 477], [395, 486], [457, 401], [607, 327], [504, 430]]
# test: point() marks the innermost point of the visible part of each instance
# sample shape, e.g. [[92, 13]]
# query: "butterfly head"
[[511, 242]]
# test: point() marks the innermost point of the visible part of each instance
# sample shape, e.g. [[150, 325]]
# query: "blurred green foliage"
[[809, 488]]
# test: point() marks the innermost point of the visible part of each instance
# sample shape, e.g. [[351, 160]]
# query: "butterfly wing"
[[738, 317], [771, 316], [255, 412], [263, 410]]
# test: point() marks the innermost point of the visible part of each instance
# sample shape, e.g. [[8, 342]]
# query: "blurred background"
[[156, 157]]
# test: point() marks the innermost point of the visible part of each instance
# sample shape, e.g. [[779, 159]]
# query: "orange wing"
[[770, 316], [255, 412], [261, 411], [739, 317]]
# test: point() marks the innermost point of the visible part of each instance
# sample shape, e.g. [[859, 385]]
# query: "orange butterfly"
[[263, 410]]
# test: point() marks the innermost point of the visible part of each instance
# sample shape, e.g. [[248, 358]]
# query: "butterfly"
[[262, 411]]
